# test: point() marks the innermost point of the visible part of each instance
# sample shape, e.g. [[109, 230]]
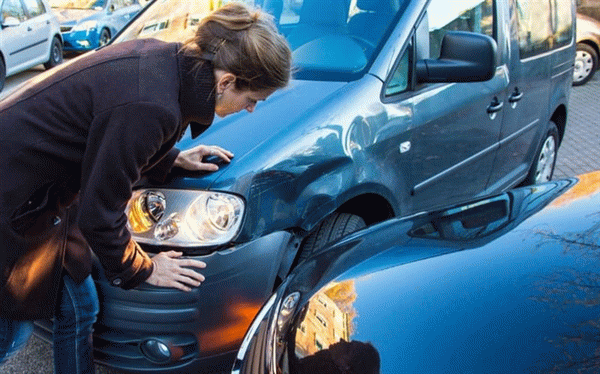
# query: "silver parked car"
[[29, 36]]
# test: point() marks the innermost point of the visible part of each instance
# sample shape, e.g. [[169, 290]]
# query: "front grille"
[[65, 28]]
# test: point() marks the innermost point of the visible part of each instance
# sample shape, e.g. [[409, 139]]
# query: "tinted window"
[[13, 8], [543, 25], [34, 7], [534, 27], [563, 22], [467, 15], [399, 81], [443, 16]]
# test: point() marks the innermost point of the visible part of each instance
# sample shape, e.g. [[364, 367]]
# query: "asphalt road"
[[579, 153]]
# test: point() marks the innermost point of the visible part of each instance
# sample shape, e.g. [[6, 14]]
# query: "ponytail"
[[246, 43]]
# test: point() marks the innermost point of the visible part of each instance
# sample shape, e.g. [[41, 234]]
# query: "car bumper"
[[80, 41], [202, 328]]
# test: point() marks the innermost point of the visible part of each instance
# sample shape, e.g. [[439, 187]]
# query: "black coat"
[[87, 131]]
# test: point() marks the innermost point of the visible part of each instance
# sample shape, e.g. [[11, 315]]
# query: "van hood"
[[242, 133]]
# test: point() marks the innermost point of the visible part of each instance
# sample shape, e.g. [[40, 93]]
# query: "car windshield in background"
[[77, 4], [332, 40]]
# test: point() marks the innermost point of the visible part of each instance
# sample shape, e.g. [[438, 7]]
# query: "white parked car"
[[29, 36]]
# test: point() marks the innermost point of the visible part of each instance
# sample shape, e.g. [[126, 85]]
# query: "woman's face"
[[230, 100]]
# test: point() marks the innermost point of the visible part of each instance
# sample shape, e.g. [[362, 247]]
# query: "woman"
[[76, 141]]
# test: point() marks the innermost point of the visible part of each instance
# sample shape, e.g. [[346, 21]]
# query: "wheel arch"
[[591, 43], [372, 207], [59, 36], [107, 28], [559, 117]]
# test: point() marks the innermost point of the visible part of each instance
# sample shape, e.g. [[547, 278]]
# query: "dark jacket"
[[85, 132]]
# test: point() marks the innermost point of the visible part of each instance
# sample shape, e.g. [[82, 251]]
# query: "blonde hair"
[[243, 41]]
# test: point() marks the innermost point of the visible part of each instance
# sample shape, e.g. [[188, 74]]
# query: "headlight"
[[184, 218], [84, 26]]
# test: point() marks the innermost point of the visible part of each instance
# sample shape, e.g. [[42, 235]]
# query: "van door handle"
[[29, 28], [495, 106], [515, 96]]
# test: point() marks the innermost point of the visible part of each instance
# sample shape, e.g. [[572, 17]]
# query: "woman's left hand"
[[192, 159]]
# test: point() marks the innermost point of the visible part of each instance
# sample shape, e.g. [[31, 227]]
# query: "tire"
[[56, 54], [104, 38], [2, 74], [332, 228], [586, 64], [543, 165]]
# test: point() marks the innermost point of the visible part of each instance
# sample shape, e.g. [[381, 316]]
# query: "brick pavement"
[[580, 150]]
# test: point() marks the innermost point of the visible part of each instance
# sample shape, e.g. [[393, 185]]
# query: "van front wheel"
[[543, 165], [332, 228]]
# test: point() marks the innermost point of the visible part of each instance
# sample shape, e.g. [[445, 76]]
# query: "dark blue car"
[[396, 107], [507, 284], [89, 24]]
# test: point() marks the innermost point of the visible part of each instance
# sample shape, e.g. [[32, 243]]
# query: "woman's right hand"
[[171, 271], [193, 159]]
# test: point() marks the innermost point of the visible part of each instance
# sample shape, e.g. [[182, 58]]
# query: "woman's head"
[[244, 42]]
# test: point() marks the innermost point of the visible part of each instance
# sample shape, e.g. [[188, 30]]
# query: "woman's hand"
[[172, 271], [192, 158]]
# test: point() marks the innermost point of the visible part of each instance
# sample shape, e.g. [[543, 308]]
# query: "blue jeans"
[[75, 314]]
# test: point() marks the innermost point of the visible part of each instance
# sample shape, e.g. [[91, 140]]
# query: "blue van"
[[397, 106]]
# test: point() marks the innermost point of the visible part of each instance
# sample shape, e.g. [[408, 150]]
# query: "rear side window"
[[543, 25], [563, 22], [13, 8], [34, 8]]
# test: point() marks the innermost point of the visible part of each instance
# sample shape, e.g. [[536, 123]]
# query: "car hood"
[[519, 294], [256, 137], [66, 16]]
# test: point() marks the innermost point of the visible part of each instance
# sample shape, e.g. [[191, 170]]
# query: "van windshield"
[[330, 39]]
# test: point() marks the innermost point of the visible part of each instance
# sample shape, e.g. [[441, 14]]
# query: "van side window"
[[399, 80], [543, 25], [535, 32], [444, 15], [563, 22]]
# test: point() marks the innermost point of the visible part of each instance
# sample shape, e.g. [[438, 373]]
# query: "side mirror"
[[464, 57], [10, 22]]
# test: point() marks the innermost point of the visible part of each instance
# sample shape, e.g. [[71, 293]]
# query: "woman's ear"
[[225, 80]]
